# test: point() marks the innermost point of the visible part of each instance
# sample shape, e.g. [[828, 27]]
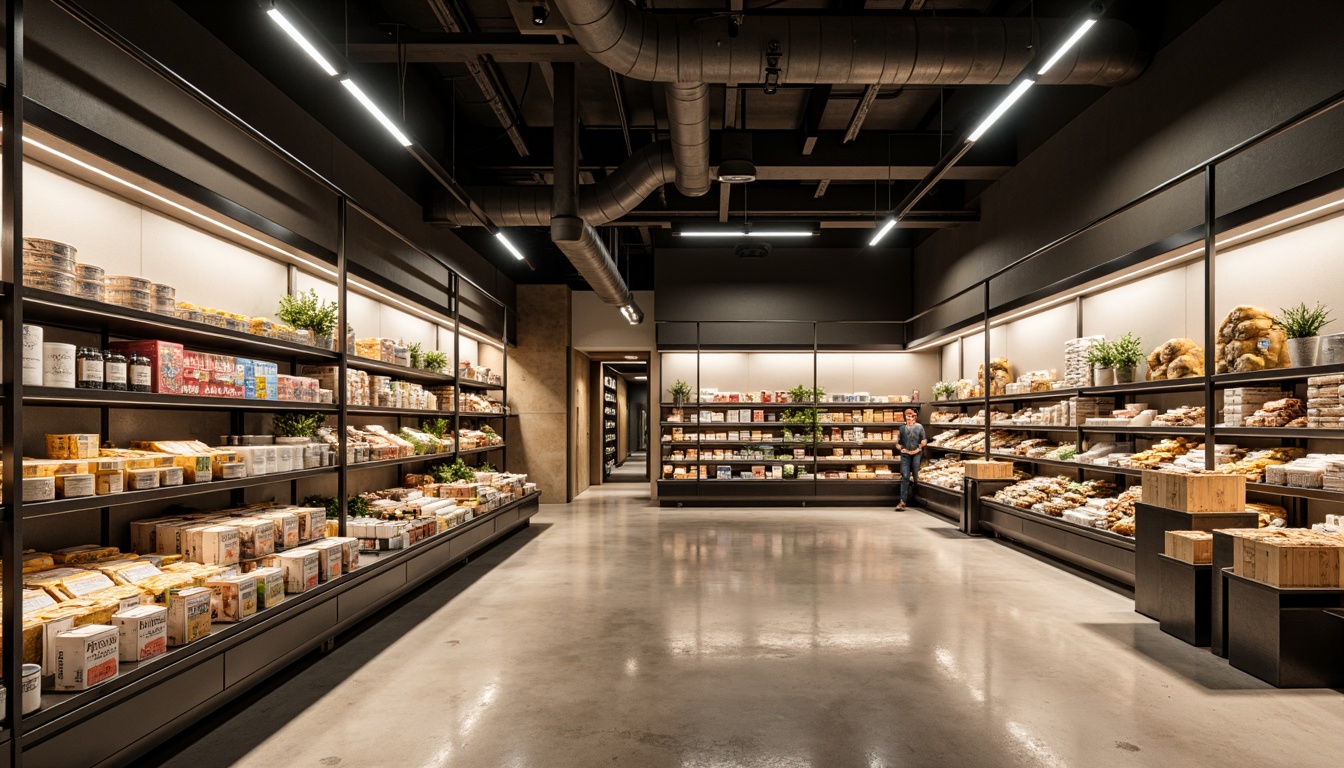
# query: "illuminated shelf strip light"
[[376, 112], [298, 37]]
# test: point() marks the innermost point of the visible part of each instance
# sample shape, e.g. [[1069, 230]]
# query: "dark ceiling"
[[482, 106]]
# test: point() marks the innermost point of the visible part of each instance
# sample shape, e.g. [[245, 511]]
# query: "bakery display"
[[1249, 340], [1176, 359]]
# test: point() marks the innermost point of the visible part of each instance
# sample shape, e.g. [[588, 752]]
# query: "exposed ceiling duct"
[[571, 234], [817, 48], [687, 53]]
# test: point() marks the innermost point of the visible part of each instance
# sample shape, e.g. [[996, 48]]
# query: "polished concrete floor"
[[635, 469], [615, 633]]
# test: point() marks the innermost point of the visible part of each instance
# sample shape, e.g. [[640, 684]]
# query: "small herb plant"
[[435, 362], [486, 467], [308, 310], [1301, 323], [296, 424], [449, 473], [417, 354], [1101, 355], [437, 427], [803, 420], [680, 391], [1127, 352]]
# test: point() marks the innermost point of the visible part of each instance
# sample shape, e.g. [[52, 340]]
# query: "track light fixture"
[[302, 40]]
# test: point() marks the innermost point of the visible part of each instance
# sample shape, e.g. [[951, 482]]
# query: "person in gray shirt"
[[911, 440]]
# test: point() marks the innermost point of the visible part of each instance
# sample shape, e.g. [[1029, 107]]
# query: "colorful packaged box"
[[286, 528], [256, 537], [213, 544], [72, 446], [300, 567], [85, 657], [232, 598], [188, 615], [332, 554], [142, 632], [165, 362], [270, 586]]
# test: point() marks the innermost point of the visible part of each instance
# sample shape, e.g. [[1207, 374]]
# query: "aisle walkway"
[[616, 634], [633, 470]]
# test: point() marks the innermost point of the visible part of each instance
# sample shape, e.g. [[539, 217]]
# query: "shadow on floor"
[[1197, 665], [317, 673]]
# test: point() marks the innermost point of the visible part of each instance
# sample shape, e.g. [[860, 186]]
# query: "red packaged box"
[[210, 375], [165, 362]]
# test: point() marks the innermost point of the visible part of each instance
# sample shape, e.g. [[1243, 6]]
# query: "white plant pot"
[[1304, 352], [1331, 350], [1102, 377]]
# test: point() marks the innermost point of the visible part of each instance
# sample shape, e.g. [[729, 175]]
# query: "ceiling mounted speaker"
[[737, 171]]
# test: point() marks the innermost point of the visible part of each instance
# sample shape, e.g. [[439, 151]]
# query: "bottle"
[[114, 371], [140, 374], [89, 368]]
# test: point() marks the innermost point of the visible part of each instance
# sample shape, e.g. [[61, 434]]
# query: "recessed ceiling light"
[[632, 357]]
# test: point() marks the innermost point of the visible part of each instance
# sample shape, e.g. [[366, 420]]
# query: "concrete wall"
[[537, 398], [1241, 69]]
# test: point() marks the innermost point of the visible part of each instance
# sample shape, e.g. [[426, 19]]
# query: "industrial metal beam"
[[484, 72], [860, 113]]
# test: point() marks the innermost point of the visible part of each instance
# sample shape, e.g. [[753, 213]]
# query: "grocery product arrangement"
[[798, 434]]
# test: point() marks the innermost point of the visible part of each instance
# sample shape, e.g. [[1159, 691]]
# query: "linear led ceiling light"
[[376, 112], [303, 42], [752, 229], [1068, 44], [517, 254], [1004, 106], [747, 233], [881, 233]]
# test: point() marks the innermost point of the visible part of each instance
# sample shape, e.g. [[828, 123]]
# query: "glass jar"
[[114, 371], [140, 374], [89, 368]]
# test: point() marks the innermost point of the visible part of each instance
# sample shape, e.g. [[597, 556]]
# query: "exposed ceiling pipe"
[[532, 206], [688, 124], [571, 234], [817, 48]]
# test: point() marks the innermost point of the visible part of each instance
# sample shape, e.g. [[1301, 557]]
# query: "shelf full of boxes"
[[198, 476], [610, 418], [819, 440]]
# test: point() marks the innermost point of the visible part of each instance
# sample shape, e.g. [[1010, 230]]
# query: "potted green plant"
[[681, 393], [435, 362], [449, 473], [1126, 354], [295, 428], [1102, 360], [308, 311], [417, 354], [1303, 327], [944, 390], [803, 421]]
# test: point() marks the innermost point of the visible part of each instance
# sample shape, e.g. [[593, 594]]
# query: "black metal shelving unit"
[[610, 419]]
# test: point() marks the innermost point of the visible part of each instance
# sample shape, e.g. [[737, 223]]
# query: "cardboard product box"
[[142, 632], [74, 486], [300, 567], [141, 479], [85, 657], [270, 586], [331, 555], [233, 470], [1194, 547], [84, 446], [233, 598], [39, 488], [170, 476], [286, 528], [256, 537], [312, 522], [989, 470], [213, 544], [188, 615], [165, 363]]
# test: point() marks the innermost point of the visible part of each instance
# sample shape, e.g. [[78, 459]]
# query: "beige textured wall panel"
[[537, 367]]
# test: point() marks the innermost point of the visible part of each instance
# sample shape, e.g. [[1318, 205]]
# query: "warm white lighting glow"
[[631, 357], [376, 112], [641, 378], [1063, 49], [298, 37], [881, 233], [517, 254], [179, 207], [631, 316], [747, 233], [1009, 101]]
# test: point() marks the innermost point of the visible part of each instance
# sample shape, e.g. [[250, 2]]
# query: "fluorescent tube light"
[[517, 254], [376, 112], [747, 233], [881, 233], [641, 378], [1068, 44], [298, 37], [1003, 107]]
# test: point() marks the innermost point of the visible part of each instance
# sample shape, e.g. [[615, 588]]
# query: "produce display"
[[1249, 340], [1176, 359]]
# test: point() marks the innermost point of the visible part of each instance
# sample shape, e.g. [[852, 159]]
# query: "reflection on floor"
[[633, 470], [616, 633]]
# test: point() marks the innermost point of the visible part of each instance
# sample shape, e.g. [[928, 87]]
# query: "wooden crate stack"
[[1195, 547]]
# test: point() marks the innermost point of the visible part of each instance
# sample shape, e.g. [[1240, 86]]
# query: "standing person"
[[911, 440]]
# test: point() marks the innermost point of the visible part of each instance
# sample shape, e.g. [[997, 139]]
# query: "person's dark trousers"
[[909, 466]]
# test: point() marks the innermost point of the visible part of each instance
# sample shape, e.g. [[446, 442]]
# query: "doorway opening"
[[621, 412]]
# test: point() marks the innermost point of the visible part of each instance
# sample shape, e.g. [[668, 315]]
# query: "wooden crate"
[[1194, 547], [989, 470], [1194, 493], [1288, 558]]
